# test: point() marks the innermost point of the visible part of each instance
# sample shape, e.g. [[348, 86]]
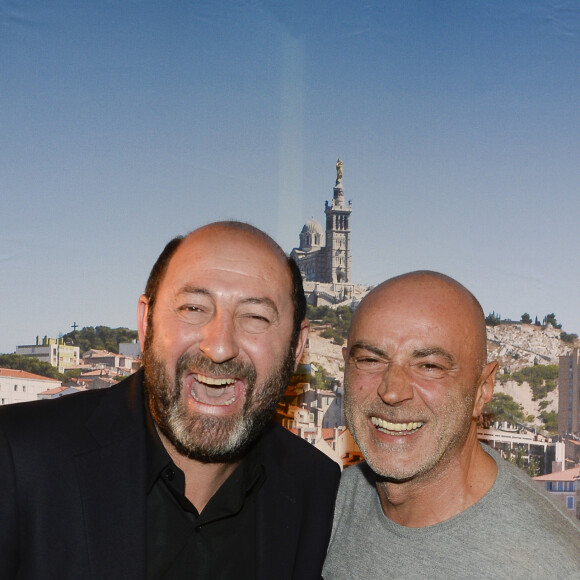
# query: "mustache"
[[198, 362]]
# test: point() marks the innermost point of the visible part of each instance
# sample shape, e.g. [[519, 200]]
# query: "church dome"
[[311, 236], [312, 227]]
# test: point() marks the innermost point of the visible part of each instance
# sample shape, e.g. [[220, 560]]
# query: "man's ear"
[[142, 317], [485, 388], [301, 342]]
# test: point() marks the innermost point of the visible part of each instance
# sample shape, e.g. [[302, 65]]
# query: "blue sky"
[[125, 123]]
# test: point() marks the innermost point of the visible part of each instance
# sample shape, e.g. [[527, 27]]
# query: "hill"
[[517, 345]]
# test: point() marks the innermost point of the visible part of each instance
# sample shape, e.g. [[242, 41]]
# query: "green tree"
[[334, 335], [542, 379], [551, 319], [320, 379], [569, 338], [550, 420], [516, 457], [493, 319], [337, 321], [502, 407], [100, 338], [543, 404], [30, 365], [526, 318], [533, 467]]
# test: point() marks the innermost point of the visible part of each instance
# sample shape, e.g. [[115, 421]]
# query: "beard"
[[207, 438]]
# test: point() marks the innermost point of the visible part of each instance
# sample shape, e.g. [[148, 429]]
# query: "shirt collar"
[[250, 471], [157, 457]]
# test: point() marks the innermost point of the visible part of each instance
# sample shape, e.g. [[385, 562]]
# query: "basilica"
[[324, 257]]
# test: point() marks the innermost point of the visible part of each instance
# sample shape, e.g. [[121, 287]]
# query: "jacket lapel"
[[112, 483], [279, 515]]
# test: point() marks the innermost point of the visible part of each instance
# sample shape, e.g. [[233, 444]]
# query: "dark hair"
[[298, 299], [160, 268], [158, 271]]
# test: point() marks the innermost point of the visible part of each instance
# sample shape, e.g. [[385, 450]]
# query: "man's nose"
[[395, 386], [219, 342]]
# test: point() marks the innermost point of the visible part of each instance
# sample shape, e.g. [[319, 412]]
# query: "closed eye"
[[254, 323], [429, 370], [369, 364]]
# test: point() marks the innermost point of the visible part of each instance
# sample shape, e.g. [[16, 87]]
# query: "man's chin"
[[213, 439], [223, 436]]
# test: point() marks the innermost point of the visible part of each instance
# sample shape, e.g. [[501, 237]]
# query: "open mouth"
[[222, 391], [396, 428]]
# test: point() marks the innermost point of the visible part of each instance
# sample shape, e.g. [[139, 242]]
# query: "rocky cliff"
[[515, 346]]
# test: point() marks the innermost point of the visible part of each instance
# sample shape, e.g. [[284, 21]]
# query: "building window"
[[24, 388], [15, 387], [570, 502]]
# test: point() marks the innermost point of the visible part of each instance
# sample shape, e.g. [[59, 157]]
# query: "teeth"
[[214, 389], [402, 428], [222, 404], [213, 381]]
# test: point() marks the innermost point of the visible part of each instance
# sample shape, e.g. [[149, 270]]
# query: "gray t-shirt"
[[514, 532]]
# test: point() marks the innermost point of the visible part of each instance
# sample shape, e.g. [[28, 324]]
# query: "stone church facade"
[[324, 256]]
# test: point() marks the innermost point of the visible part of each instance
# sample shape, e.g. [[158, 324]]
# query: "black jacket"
[[73, 498]]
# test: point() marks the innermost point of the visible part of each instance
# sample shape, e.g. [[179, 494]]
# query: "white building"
[[119, 364], [53, 351], [564, 487], [20, 386], [130, 349], [327, 258], [324, 256]]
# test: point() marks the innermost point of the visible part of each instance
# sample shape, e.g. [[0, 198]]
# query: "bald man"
[[178, 472], [431, 501]]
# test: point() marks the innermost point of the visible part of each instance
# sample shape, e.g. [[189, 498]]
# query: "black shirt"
[[218, 543]]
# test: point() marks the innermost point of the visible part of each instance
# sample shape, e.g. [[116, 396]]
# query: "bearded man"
[[177, 472]]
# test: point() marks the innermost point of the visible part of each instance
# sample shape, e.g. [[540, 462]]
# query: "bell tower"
[[338, 258]]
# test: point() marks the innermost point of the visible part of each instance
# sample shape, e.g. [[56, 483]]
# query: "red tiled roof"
[[567, 475], [54, 391], [98, 353], [328, 434], [18, 374]]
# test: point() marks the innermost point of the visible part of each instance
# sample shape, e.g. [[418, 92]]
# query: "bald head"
[[240, 230], [432, 297]]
